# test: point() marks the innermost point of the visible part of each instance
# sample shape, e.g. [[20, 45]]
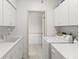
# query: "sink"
[[9, 39]]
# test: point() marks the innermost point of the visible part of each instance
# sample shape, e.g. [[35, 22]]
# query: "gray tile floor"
[[35, 52]]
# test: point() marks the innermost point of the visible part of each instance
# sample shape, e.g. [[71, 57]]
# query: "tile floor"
[[35, 52]]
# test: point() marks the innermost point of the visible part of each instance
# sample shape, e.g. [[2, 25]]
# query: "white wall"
[[22, 12]]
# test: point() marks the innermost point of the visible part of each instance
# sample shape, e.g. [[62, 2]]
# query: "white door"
[[35, 27]]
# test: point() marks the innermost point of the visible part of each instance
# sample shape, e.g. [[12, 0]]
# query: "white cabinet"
[[7, 13], [19, 50], [61, 14], [46, 49], [1, 21], [66, 13], [55, 54], [73, 12], [49, 52]]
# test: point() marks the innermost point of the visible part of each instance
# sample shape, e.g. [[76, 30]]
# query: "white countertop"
[[5, 47], [69, 51]]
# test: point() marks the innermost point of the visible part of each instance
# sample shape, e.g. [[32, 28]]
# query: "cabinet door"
[[73, 12], [53, 56], [1, 21], [9, 13], [56, 56], [18, 50], [6, 13], [46, 49], [13, 16], [61, 14]]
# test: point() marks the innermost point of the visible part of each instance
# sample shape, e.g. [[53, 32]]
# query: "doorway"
[[36, 31]]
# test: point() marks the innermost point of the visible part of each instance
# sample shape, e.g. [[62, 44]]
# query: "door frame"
[[45, 24]]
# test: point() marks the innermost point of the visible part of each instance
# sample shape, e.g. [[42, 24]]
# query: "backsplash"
[[68, 29]]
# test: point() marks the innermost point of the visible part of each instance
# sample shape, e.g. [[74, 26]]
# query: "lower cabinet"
[[46, 49], [49, 52], [55, 54], [16, 52]]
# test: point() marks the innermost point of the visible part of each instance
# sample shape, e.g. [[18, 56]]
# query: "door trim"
[[34, 33]]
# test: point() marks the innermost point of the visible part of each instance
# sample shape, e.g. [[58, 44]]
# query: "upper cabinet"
[[66, 13], [1, 12], [8, 13], [61, 14], [73, 12], [57, 2]]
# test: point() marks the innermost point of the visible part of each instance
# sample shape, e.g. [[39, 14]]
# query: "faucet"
[[2, 37]]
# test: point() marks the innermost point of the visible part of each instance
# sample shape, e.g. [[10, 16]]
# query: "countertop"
[[5, 47], [69, 51]]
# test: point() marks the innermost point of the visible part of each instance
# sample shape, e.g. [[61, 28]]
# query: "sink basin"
[[10, 39]]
